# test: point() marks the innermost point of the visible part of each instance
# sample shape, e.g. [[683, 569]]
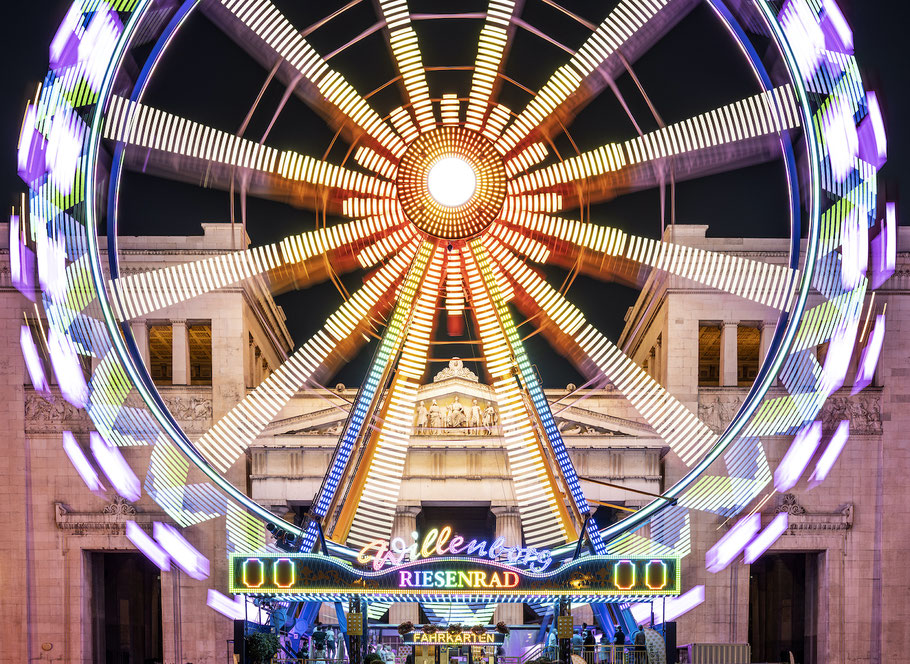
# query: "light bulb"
[[451, 181]]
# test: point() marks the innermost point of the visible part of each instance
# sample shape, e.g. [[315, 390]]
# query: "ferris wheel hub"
[[451, 183]]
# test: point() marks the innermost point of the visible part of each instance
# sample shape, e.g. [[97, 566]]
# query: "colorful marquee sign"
[[465, 638], [589, 579]]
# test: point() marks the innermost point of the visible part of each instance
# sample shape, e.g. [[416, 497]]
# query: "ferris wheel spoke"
[[177, 148], [633, 24], [342, 333], [369, 506], [736, 135], [406, 51], [566, 327], [539, 501], [297, 261], [491, 47], [260, 28], [609, 253]]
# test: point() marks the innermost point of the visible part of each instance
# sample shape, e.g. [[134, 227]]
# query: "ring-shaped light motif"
[[436, 218], [73, 109]]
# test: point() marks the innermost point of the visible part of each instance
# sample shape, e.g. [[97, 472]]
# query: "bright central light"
[[452, 181]]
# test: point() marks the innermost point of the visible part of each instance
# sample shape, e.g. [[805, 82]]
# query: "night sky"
[[205, 76]]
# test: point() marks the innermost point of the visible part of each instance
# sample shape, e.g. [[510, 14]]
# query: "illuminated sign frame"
[[443, 637], [316, 577]]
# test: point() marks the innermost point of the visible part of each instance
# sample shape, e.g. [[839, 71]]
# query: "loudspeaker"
[[670, 637]]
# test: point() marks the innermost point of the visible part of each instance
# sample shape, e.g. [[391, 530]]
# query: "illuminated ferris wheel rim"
[[163, 416], [134, 367]]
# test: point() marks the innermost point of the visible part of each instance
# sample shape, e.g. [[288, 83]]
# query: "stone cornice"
[[111, 520]]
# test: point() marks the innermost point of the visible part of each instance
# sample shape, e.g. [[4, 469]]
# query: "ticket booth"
[[444, 647]]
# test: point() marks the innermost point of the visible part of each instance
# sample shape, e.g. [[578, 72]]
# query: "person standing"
[[590, 647], [604, 649], [330, 643], [577, 642], [552, 643], [641, 653]]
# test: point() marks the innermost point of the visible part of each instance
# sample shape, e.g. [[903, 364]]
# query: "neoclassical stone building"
[[832, 589]]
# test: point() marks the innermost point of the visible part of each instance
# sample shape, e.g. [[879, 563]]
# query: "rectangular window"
[[161, 353], [708, 355], [748, 343], [200, 353]]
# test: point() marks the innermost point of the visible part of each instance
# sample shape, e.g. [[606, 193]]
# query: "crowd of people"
[[602, 651]]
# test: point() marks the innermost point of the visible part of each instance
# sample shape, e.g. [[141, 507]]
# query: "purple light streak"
[[181, 551], [869, 359], [837, 361], [730, 545], [791, 467], [676, 606], [67, 369], [766, 538], [873, 144], [33, 360], [841, 137], [838, 35], [829, 457], [855, 250], [143, 541], [115, 467], [884, 247], [81, 463]]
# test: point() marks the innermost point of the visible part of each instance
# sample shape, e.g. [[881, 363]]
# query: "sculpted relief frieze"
[[716, 409], [193, 413]]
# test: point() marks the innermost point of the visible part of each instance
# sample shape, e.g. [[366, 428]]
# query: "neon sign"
[[456, 579], [441, 543], [443, 637]]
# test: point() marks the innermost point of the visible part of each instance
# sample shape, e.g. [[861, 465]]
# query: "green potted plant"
[[261, 647]]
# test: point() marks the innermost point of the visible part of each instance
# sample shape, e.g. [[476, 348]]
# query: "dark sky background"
[[206, 77]]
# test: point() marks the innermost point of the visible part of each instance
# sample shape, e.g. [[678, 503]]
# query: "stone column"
[[404, 524], [180, 353], [141, 333], [767, 333], [728, 354], [508, 525]]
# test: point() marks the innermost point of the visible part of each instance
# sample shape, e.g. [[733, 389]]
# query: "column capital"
[[505, 510], [407, 510], [730, 323]]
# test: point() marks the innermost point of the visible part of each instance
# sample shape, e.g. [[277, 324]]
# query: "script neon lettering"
[[444, 536], [455, 545], [479, 547], [497, 547], [427, 549], [441, 542]]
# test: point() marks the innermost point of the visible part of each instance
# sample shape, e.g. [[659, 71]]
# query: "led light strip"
[[454, 284], [490, 49], [765, 283], [766, 113], [134, 123], [367, 396], [268, 23], [538, 399], [377, 502], [234, 432], [544, 519], [624, 21], [680, 428], [139, 294], [403, 41]]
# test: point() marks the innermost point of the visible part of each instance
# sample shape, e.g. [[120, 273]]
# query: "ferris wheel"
[[450, 203]]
